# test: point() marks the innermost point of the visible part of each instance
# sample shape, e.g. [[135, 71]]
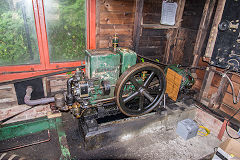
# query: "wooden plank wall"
[[114, 16], [217, 95], [118, 16], [227, 104], [187, 34], [152, 42]]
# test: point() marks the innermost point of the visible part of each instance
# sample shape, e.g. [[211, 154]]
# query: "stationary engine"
[[113, 77], [82, 93]]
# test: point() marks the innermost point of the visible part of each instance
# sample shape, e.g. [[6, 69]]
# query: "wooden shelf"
[[158, 26]]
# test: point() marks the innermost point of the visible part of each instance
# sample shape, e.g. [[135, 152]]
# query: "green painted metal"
[[62, 140], [28, 127], [103, 64], [128, 58], [25, 127]]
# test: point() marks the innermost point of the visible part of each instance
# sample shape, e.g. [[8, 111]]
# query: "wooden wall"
[[213, 93], [117, 16], [152, 41], [187, 34], [224, 104], [114, 16], [170, 44]]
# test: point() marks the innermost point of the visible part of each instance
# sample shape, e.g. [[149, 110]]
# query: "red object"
[[45, 66], [91, 23], [222, 130]]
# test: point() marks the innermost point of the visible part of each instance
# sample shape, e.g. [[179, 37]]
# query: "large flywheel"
[[140, 89]]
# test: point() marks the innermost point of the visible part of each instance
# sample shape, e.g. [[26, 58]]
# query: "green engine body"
[[103, 67]]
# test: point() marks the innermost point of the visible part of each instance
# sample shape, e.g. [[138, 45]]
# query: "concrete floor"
[[149, 137], [160, 143], [157, 140]]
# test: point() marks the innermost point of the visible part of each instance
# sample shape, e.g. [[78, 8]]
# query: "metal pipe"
[[69, 96], [29, 102], [235, 98]]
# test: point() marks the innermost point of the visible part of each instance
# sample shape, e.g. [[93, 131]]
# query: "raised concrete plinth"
[[128, 128]]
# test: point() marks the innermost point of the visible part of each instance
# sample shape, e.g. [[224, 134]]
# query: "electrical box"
[[187, 129]]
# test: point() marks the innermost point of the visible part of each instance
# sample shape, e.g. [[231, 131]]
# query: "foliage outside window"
[[65, 21], [18, 40]]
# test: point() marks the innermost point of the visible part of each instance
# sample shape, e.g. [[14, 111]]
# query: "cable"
[[235, 98], [163, 64], [229, 121], [216, 115], [11, 117]]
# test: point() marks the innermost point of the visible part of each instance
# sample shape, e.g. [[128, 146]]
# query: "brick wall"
[[10, 107], [35, 112], [213, 124]]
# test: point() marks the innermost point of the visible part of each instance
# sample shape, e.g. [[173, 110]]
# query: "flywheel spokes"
[[140, 89]]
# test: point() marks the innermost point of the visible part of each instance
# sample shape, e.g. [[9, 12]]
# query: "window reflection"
[[18, 40], [65, 21]]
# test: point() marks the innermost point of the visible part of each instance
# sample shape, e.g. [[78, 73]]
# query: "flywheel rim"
[[141, 91]]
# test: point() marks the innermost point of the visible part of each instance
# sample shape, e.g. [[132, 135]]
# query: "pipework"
[[29, 102]]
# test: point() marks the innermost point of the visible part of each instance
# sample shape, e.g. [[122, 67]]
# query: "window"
[[40, 36], [18, 38], [65, 21]]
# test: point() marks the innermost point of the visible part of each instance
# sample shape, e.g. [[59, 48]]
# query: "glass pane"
[[18, 39], [65, 20]]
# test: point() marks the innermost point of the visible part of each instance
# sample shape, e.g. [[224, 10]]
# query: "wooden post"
[[210, 46], [206, 84], [202, 31], [137, 24], [217, 98], [97, 23], [179, 13], [214, 30], [172, 34]]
